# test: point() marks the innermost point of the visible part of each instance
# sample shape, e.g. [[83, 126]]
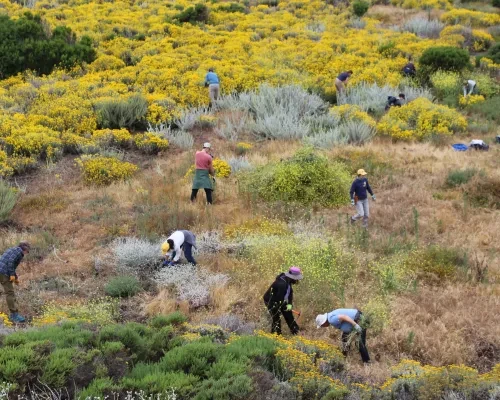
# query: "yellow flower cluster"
[[112, 137], [5, 168], [105, 170], [243, 148], [99, 312], [150, 143], [352, 112], [469, 17], [222, 168], [446, 82], [5, 319], [256, 226], [208, 121], [423, 4], [300, 360], [475, 39], [420, 118], [469, 100]]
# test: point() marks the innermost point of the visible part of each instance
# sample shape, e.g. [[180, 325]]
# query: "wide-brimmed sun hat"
[[361, 172], [321, 319], [294, 273]]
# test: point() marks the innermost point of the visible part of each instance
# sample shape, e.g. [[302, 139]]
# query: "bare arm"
[[345, 318]]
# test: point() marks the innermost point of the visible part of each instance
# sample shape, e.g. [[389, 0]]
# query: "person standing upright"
[[341, 81], [9, 262], [204, 168], [359, 198], [213, 83]]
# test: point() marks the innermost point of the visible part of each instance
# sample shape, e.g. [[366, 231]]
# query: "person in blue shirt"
[[213, 83], [359, 197], [341, 81], [9, 262], [346, 319]]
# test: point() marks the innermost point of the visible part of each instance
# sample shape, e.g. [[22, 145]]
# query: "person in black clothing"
[[409, 69], [279, 297], [395, 101]]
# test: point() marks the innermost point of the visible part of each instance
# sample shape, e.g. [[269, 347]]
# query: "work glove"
[[373, 197], [289, 307], [13, 278], [352, 202], [357, 328]]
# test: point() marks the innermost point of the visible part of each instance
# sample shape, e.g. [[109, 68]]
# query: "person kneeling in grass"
[[179, 241], [9, 262], [347, 320]]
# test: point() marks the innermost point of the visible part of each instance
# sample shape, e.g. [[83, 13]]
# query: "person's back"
[[202, 160], [212, 78], [343, 76], [333, 318]]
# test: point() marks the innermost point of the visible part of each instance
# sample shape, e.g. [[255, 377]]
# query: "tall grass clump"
[[459, 177], [306, 178], [423, 27], [8, 199], [372, 97], [190, 118], [122, 286], [116, 114]]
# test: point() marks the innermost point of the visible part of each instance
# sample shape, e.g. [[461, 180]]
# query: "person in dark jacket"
[[341, 81], [9, 261], [395, 101], [359, 197], [279, 299], [409, 69]]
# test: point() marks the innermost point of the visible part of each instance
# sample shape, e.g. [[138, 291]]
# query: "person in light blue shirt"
[[213, 83], [346, 320]]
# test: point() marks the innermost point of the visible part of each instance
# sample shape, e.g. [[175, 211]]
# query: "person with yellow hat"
[[359, 198], [178, 242]]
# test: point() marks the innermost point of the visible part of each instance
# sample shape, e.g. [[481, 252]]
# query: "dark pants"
[[188, 253], [361, 343], [276, 317], [208, 192]]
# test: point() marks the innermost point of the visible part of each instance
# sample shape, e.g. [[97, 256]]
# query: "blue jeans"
[[188, 253]]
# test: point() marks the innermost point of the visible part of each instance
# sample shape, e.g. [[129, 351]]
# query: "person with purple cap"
[[279, 299]]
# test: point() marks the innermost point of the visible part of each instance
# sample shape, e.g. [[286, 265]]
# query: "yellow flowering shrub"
[[105, 170], [5, 319], [221, 167], [100, 312], [469, 100], [473, 39], [420, 118], [352, 112], [5, 168], [208, 121], [446, 83], [469, 17], [243, 147], [112, 137], [256, 226], [150, 143], [424, 4]]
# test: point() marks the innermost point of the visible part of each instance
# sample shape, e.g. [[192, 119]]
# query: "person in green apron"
[[204, 168]]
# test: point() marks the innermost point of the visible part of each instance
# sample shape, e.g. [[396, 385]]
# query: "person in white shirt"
[[178, 242], [469, 87]]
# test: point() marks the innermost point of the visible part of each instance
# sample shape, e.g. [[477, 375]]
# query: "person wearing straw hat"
[[177, 243], [359, 197], [279, 299], [204, 168], [347, 320]]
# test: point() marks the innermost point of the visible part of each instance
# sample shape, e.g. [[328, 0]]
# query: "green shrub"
[[176, 318], [488, 109], [192, 15], [495, 3], [28, 45], [98, 389], [486, 85], [123, 286], [232, 8], [127, 334], [149, 378], [256, 348], [459, 177], [360, 7], [110, 348], [8, 199], [307, 178], [193, 358], [234, 387], [160, 341], [446, 58], [59, 366], [116, 114], [435, 262]]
